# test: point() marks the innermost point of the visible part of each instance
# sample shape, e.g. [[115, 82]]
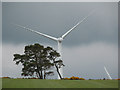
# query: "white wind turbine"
[[59, 40], [107, 73]]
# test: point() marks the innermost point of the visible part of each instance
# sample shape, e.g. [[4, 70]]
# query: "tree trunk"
[[44, 75], [38, 69], [58, 71], [41, 77]]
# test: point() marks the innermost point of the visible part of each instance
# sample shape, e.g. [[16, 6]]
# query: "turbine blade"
[[45, 35], [107, 73], [63, 36]]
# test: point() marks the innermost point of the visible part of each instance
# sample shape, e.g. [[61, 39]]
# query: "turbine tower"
[[107, 73], [59, 40]]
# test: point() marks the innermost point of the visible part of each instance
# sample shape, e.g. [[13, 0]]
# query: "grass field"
[[36, 83]]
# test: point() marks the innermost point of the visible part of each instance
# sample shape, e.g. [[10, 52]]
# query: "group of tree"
[[39, 60]]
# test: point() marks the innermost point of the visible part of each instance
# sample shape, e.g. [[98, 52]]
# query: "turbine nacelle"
[[60, 39]]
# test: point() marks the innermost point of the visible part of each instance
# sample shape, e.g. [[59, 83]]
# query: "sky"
[[60, 1], [86, 50]]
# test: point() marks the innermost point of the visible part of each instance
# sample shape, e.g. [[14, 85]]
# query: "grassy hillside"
[[36, 83]]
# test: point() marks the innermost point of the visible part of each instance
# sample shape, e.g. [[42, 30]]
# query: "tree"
[[38, 60], [54, 57]]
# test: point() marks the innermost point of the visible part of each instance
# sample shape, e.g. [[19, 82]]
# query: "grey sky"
[[93, 43], [57, 18]]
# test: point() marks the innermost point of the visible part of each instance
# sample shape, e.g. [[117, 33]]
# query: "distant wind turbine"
[[107, 73], [60, 39]]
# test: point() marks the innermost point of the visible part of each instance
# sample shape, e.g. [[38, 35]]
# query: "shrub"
[[118, 79], [81, 79], [104, 79], [33, 78], [66, 78], [74, 78], [6, 77]]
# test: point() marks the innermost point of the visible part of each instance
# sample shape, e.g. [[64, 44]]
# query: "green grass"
[[36, 83], [0, 83]]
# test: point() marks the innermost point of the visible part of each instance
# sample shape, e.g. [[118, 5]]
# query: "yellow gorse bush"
[[74, 78], [81, 79]]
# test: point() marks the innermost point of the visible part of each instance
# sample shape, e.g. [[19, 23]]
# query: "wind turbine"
[[107, 73], [60, 39]]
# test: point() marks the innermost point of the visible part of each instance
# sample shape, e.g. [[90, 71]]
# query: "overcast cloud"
[[86, 49], [86, 61]]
